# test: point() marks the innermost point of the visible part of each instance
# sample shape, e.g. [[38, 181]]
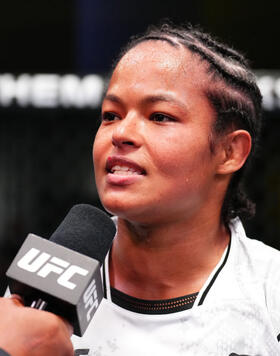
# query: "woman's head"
[[219, 73]]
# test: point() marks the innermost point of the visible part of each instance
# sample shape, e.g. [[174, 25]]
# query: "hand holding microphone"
[[63, 275], [30, 332]]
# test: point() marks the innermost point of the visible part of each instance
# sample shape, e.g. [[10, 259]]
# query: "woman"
[[179, 120]]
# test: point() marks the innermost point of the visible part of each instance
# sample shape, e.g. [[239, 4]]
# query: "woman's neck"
[[166, 261]]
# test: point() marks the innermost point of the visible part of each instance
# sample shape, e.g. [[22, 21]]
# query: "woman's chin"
[[125, 211], [116, 208]]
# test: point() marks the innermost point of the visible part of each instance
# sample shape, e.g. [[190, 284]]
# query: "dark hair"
[[234, 96]]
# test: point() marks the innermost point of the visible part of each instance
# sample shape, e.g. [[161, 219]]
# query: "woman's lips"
[[122, 171], [119, 165]]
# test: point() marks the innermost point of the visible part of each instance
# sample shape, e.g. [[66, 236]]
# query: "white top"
[[236, 313]]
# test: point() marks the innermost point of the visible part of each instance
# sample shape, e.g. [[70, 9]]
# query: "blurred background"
[[55, 58]]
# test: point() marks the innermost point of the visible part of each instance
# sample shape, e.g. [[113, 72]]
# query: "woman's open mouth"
[[122, 171]]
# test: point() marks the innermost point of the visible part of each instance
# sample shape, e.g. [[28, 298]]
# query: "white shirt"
[[237, 312]]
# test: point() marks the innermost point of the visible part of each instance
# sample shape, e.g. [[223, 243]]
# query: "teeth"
[[119, 170]]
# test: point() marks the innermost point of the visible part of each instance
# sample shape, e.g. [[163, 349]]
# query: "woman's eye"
[[109, 116], [161, 117]]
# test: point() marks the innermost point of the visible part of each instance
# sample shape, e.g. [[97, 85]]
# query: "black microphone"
[[63, 274]]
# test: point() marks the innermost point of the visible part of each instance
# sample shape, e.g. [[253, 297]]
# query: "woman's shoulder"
[[253, 247], [253, 257]]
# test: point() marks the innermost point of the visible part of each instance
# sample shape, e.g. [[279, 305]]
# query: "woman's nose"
[[127, 133]]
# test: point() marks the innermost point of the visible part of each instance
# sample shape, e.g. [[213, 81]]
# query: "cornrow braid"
[[220, 48], [234, 96]]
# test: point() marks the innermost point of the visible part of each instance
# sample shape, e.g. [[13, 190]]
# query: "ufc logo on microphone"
[[43, 264], [90, 299]]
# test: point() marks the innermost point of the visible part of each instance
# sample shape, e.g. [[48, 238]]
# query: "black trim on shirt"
[[143, 306], [215, 276], [104, 281]]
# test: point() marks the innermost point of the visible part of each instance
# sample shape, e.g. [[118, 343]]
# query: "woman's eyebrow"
[[113, 98], [149, 99], [163, 98]]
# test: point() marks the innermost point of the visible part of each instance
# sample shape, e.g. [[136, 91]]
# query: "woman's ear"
[[236, 147]]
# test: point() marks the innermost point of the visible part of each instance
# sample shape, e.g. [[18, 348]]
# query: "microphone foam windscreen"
[[87, 230]]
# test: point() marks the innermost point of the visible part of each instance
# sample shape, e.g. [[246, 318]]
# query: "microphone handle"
[[39, 304]]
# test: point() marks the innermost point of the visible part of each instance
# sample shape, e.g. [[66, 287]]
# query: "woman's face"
[[152, 155]]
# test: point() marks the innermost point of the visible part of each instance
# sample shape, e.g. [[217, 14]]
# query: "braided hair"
[[234, 96]]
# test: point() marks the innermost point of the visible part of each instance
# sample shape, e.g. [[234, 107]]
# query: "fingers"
[[17, 300], [46, 334]]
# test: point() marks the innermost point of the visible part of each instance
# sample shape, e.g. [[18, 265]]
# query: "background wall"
[[45, 152]]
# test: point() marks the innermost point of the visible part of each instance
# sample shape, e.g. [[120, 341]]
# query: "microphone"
[[63, 273]]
